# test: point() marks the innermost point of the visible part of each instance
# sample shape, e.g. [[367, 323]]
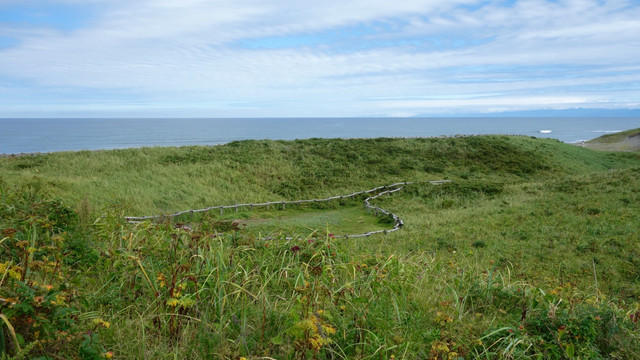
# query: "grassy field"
[[531, 252], [621, 141]]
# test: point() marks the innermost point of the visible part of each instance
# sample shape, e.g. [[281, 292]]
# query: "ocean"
[[49, 135]]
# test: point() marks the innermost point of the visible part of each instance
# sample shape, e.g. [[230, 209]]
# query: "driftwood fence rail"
[[381, 190]]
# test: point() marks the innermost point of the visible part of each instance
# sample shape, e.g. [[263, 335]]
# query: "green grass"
[[340, 221], [530, 252], [615, 137], [159, 180], [628, 140], [300, 221]]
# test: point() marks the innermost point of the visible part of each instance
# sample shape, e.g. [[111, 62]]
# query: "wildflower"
[[318, 331], [295, 249], [100, 322], [184, 302], [328, 329], [13, 271], [108, 355], [443, 318], [59, 300], [161, 280], [332, 236]]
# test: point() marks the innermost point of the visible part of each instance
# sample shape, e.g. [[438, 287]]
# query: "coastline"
[[27, 136], [37, 153]]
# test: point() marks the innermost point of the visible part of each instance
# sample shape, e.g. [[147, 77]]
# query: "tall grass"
[[157, 180], [531, 252]]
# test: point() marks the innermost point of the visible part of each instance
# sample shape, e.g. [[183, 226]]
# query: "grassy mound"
[[530, 252], [162, 180], [622, 141]]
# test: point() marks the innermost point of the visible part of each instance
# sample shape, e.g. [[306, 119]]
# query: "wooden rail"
[[380, 190]]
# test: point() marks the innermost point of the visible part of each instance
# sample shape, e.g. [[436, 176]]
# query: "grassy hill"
[[530, 252], [622, 141]]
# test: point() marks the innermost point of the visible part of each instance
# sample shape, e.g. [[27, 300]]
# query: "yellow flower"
[[13, 271], [108, 355], [100, 322], [161, 280], [58, 301], [328, 329], [184, 302]]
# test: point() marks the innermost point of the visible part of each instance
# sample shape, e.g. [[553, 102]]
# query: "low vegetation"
[[621, 141], [531, 252]]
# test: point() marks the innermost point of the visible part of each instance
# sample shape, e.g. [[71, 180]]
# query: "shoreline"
[[32, 136], [36, 153], [632, 142]]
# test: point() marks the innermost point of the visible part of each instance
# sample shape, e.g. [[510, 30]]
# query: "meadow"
[[530, 252]]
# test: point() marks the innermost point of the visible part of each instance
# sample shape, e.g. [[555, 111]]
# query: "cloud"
[[332, 57]]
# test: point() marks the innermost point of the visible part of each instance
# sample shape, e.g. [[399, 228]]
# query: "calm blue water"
[[47, 135]]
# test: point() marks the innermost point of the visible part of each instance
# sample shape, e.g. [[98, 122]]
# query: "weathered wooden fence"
[[380, 190]]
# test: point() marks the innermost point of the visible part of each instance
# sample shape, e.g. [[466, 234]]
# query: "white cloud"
[[186, 52]]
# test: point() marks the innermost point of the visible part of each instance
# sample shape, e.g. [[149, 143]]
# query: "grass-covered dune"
[[628, 140], [530, 252]]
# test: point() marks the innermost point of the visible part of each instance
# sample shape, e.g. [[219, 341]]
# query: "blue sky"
[[273, 58]]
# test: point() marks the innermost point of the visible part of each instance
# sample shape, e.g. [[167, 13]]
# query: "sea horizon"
[[44, 135]]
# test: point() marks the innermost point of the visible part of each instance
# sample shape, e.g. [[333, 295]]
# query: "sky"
[[285, 58]]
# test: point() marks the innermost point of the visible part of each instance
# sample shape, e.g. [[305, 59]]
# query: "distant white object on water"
[[545, 131]]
